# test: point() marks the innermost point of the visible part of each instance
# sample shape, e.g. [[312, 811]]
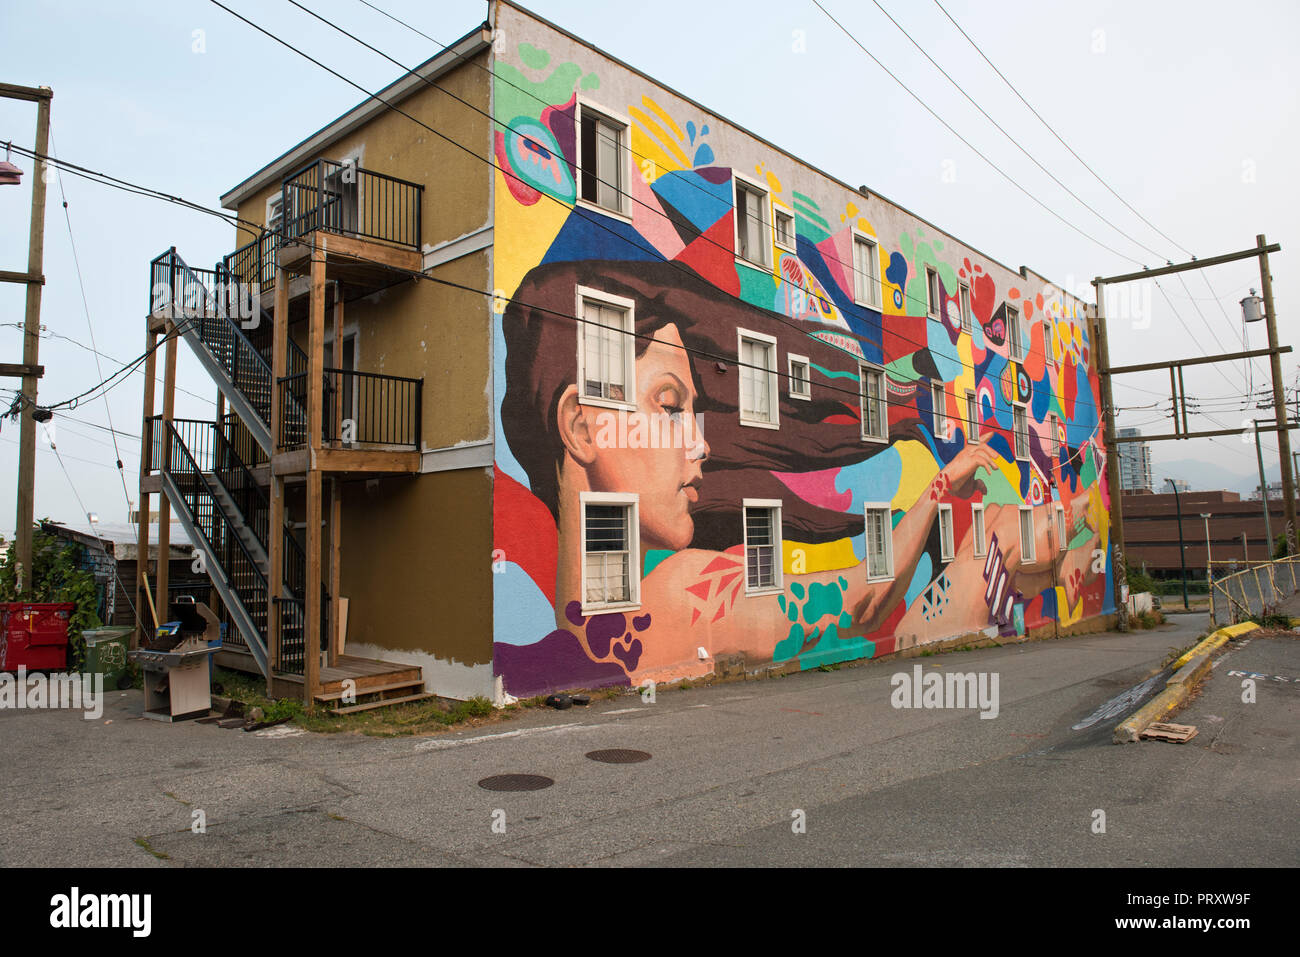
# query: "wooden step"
[[381, 703], [337, 695]]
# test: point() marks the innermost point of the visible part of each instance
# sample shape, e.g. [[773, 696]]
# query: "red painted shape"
[[719, 564], [842, 420], [695, 615], [1071, 386], [1029, 309], [700, 590], [1036, 362], [983, 297], [525, 530], [901, 336], [1013, 293], [713, 257], [521, 191], [724, 582], [722, 610]]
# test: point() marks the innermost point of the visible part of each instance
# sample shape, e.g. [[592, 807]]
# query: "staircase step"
[[337, 695], [381, 703]]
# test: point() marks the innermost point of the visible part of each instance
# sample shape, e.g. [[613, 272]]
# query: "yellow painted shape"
[[531, 229], [824, 557], [1071, 614], [851, 209], [773, 182], [661, 139], [919, 468], [660, 112]]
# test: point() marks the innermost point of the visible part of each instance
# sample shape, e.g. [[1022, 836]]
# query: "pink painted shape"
[[719, 564], [724, 582], [652, 221], [837, 253], [817, 488]]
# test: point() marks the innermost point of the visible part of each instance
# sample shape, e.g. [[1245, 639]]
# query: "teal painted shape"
[[823, 600], [920, 579], [789, 646], [653, 557], [832, 649]]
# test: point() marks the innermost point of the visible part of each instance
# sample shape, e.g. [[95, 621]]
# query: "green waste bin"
[[106, 653]]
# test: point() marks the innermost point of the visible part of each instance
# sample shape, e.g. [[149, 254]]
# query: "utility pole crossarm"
[[1194, 264]]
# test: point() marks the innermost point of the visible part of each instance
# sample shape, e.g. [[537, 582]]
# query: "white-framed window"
[[606, 357], [783, 224], [1054, 440], [753, 235], [1027, 555], [1017, 348], [964, 297], [875, 414], [1060, 527], [762, 545], [939, 403], [603, 159], [933, 295], [880, 541], [1020, 426], [611, 550], [1049, 355], [866, 271], [947, 550], [972, 417], [275, 212], [979, 542], [800, 377], [758, 379]]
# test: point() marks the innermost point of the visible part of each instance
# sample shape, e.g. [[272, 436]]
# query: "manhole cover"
[[515, 782], [619, 756]]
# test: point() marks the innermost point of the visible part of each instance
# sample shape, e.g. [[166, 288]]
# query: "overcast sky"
[[1184, 108]]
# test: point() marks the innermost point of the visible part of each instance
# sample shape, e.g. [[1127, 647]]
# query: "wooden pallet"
[[1175, 733]]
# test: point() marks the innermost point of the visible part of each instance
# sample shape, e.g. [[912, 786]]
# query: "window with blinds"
[[875, 421], [880, 545], [762, 546], [752, 242], [606, 350], [947, 549], [1027, 555], [758, 380], [977, 529], [1020, 425], [607, 554], [866, 271]]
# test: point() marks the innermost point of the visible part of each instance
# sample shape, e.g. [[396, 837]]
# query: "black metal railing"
[[293, 608], [155, 436], [238, 567], [253, 264], [344, 198], [242, 441], [360, 409]]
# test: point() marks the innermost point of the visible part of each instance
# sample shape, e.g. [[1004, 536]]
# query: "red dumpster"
[[34, 635]]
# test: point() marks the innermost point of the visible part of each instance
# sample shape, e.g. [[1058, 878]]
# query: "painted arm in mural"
[[697, 598]]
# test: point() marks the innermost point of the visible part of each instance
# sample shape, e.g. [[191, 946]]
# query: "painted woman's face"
[[657, 450]]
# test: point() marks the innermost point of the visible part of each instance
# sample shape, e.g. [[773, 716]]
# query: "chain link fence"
[[1254, 591]]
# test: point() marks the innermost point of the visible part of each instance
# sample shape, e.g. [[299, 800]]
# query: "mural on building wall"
[[670, 432]]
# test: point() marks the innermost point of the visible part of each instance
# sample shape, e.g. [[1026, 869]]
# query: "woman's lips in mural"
[[692, 491]]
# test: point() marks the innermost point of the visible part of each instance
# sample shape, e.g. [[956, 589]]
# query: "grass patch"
[[1272, 621], [143, 842], [1145, 620]]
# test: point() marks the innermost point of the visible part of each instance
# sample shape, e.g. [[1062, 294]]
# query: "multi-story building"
[[1134, 463], [550, 377]]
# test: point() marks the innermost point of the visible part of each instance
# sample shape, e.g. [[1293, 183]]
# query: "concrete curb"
[[1188, 672]]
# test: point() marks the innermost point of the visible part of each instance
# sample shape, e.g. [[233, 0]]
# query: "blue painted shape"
[[702, 202], [521, 614], [590, 235], [875, 480], [920, 579]]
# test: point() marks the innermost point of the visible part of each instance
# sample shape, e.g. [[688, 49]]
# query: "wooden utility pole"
[[1279, 401], [34, 279]]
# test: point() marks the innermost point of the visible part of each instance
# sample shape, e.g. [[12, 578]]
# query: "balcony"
[[369, 422], [373, 222]]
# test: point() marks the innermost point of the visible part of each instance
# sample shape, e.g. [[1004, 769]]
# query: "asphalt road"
[[811, 769]]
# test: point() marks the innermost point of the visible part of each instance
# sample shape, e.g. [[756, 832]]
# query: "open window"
[[603, 158], [753, 235], [880, 542]]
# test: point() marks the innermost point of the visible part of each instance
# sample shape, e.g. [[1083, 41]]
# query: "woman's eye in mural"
[[671, 401]]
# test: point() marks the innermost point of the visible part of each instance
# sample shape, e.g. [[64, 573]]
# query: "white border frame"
[[873, 302], [883, 400], [964, 307], [625, 144], [582, 293], [791, 358], [931, 310], [972, 425], [778, 206], [939, 417], [889, 541], [1019, 354], [634, 547], [756, 186], [1059, 528], [778, 560], [979, 543], [1049, 354], [1015, 435], [773, 383], [952, 534], [1032, 557]]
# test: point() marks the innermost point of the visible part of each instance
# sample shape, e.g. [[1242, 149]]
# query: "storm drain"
[[619, 756], [515, 782]]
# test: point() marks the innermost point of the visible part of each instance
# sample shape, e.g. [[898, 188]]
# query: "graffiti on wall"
[[636, 300]]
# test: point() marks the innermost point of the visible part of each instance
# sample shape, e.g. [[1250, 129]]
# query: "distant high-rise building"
[[1134, 462]]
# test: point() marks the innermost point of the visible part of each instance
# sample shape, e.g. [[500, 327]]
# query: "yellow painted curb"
[[1188, 672]]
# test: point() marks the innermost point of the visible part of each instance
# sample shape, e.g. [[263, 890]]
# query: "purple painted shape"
[[602, 630], [560, 121], [641, 622], [629, 656], [553, 664], [573, 612]]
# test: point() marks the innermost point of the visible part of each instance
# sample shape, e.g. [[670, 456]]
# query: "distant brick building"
[[1151, 530]]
